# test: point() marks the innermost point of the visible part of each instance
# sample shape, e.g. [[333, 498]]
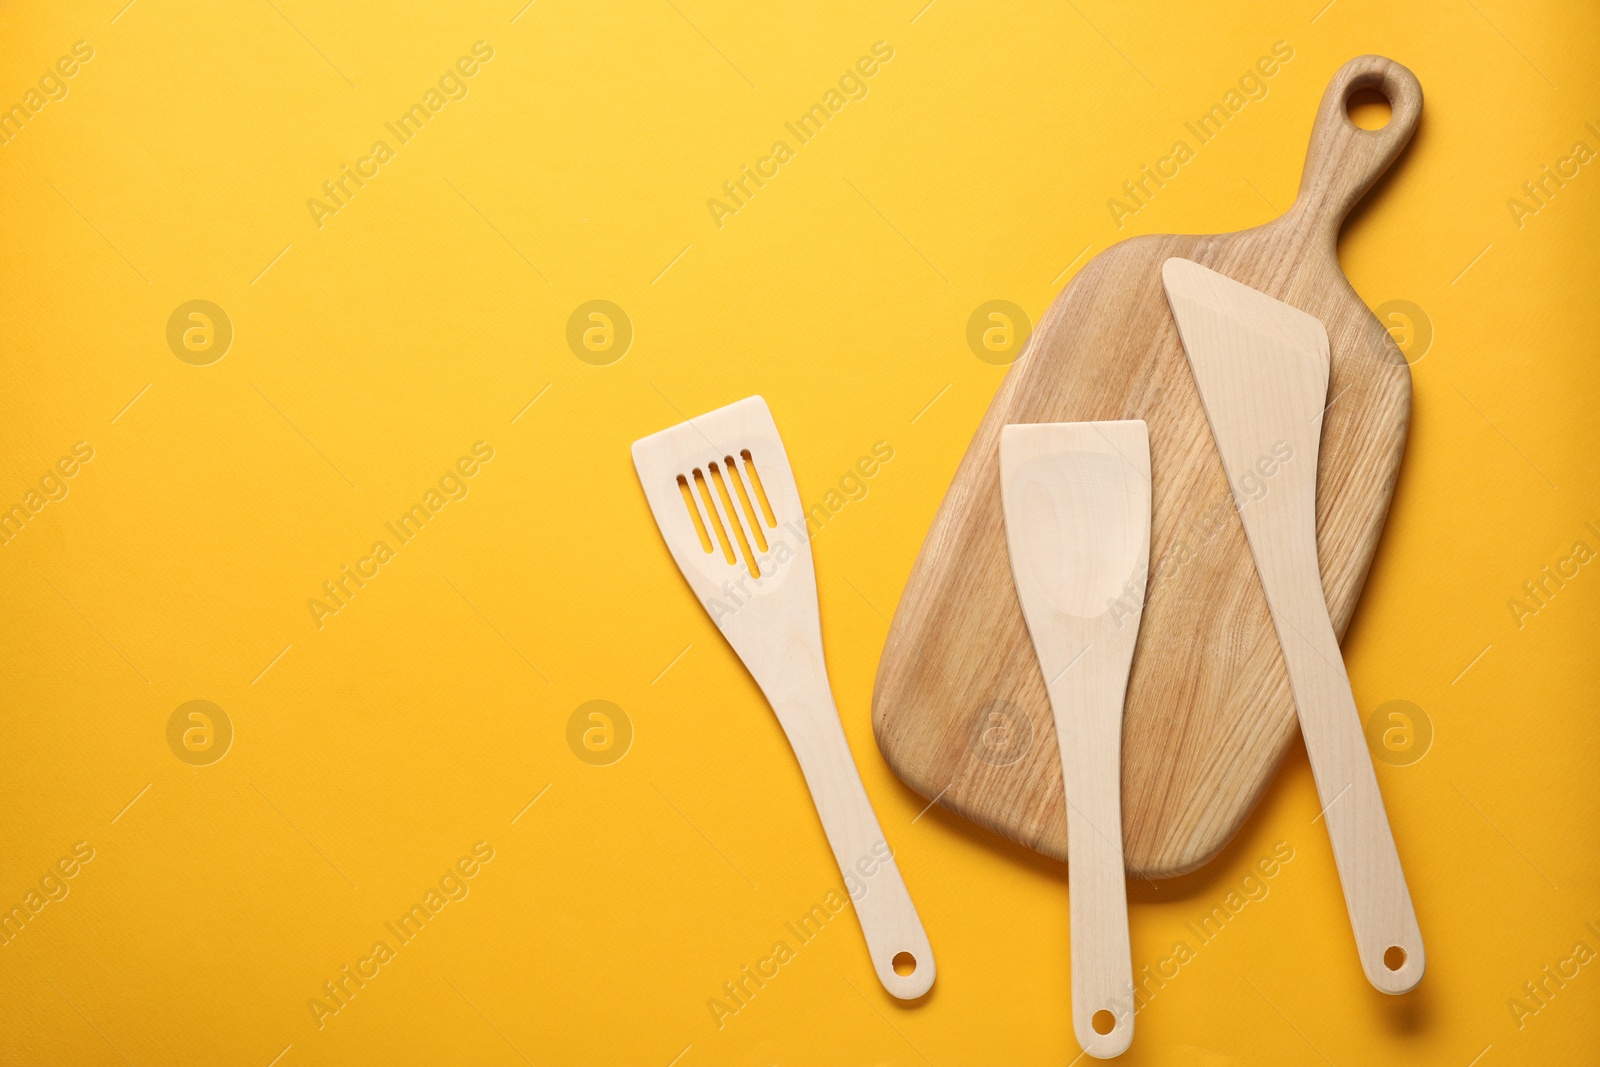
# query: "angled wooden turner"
[[724, 496], [1262, 370], [1077, 513], [959, 710]]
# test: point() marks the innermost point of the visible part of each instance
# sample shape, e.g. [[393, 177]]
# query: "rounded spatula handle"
[[1097, 893]]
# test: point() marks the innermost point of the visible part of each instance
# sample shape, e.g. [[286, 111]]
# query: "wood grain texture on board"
[[959, 708]]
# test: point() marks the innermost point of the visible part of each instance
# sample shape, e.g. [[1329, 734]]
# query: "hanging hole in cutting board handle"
[[1368, 109], [1344, 159]]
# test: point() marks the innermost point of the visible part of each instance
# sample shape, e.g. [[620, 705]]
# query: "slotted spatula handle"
[[804, 706]]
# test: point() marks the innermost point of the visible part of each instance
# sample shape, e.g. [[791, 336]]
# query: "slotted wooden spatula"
[[724, 496], [1077, 512], [1262, 370], [960, 711]]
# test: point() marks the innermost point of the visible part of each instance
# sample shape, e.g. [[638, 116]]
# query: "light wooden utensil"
[[1077, 515], [724, 496], [959, 710], [1262, 370]]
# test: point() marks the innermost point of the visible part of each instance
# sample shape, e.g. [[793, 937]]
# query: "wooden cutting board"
[[960, 709]]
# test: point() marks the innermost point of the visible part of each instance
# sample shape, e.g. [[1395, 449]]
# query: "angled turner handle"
[[723, 494], [1076, 498], [1262, 370]]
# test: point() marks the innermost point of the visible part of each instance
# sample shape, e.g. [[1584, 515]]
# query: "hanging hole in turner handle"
[[1344, 159]]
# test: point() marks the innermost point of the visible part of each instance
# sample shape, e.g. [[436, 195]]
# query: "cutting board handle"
[[1344, 160]]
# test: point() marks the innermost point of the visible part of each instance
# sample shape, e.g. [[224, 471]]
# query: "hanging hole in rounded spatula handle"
[[1344, 159], [1109, 1032]]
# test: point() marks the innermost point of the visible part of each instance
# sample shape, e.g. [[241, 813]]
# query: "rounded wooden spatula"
[[961, 710], [1077, 511]]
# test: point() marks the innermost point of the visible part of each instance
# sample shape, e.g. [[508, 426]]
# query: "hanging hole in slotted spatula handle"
[[1344, 159]]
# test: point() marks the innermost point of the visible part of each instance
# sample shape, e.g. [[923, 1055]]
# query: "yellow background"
[[370, 754]]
